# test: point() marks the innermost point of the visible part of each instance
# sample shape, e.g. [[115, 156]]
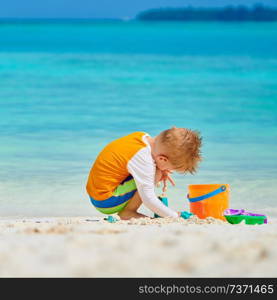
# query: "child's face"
[[163, 163]]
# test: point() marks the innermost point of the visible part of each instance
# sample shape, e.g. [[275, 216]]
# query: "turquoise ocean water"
[[69, 88]]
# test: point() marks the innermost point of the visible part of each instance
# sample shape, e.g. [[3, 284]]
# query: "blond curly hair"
[[182, 148]]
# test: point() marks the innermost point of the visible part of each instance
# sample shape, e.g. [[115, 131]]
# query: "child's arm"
[[151, 201], [143, 169]]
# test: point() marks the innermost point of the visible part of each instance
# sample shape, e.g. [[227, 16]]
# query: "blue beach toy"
[[164, 200], [110, 219], [184, 214]]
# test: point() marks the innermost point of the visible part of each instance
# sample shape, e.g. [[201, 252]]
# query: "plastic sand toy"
[[208, 200], [235, 216], [184, 214], [111, 219], [164, 200]]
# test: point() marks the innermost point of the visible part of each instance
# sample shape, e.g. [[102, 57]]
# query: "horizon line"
[[127, 18]]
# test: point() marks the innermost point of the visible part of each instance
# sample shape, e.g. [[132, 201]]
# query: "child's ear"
[[163, 158]]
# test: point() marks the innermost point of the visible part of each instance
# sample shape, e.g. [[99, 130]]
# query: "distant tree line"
[[257, 13]]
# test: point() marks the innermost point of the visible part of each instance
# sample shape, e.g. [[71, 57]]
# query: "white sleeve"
[[143, 169]]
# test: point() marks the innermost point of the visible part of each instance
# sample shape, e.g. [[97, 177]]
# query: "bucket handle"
[[211, 194]]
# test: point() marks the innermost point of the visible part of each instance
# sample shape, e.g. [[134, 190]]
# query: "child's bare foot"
[[129, 214]]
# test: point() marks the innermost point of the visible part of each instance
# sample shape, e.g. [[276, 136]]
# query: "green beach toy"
[[235, 216]]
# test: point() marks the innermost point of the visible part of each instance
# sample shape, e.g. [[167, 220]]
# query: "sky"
[[102, 8]]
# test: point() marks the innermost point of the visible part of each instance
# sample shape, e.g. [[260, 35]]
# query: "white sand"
[[92, 247]]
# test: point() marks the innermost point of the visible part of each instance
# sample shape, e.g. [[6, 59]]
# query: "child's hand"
[[164, 178]]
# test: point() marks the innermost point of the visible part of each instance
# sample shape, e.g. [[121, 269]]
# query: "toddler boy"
[[126, 171]]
